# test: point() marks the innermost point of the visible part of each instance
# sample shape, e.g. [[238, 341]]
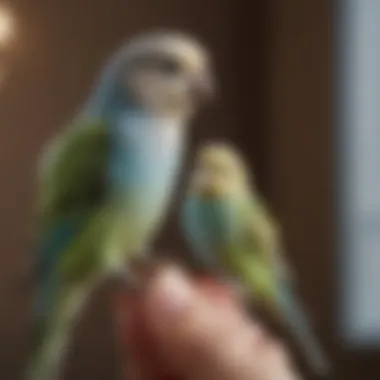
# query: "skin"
[[174, 331]]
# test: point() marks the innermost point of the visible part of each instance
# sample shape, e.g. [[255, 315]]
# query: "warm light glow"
[[6, 26]]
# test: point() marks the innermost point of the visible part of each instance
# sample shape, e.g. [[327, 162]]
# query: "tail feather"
[[52, 334], [49, 345], [300, 328]]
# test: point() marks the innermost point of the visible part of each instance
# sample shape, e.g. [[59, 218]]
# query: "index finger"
[[141, 356]]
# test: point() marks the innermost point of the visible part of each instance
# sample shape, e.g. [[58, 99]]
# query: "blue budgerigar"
[[232, 232], [106, 180]]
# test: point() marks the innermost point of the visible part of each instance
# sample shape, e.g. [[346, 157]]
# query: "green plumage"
[[72, 190], [72, 215], [241, 234]]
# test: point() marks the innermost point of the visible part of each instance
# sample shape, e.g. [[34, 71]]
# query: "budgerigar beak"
[[203, 87], [210, 191], [204, 185]]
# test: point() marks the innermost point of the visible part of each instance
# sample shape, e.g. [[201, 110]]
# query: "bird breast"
[[145, 161]]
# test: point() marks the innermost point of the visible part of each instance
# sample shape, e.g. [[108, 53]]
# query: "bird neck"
[[150, 120], [125, 107]]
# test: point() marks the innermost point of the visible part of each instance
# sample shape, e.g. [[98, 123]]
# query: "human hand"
[[179, 328]]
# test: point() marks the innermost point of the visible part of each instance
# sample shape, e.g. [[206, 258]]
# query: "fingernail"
[[171, 295]]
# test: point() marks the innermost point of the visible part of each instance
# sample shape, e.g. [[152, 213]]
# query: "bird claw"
[[235, 285], [131, 281], [239, 288], [136, 270]]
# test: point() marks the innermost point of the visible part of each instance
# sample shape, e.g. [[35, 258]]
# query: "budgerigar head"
[[165, 73], [219, 171]]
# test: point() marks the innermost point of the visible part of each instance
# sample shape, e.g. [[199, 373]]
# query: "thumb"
[[201, 336]]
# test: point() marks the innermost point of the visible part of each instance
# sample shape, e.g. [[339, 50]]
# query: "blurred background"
[[298, 94]]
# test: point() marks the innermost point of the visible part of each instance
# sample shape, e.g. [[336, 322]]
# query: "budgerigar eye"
[[168, 66], [163, 64]]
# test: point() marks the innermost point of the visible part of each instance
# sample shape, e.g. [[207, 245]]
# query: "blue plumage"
[[223, 227]]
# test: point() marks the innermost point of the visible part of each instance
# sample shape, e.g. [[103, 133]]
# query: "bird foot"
[[135, 271], [237, 287]]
